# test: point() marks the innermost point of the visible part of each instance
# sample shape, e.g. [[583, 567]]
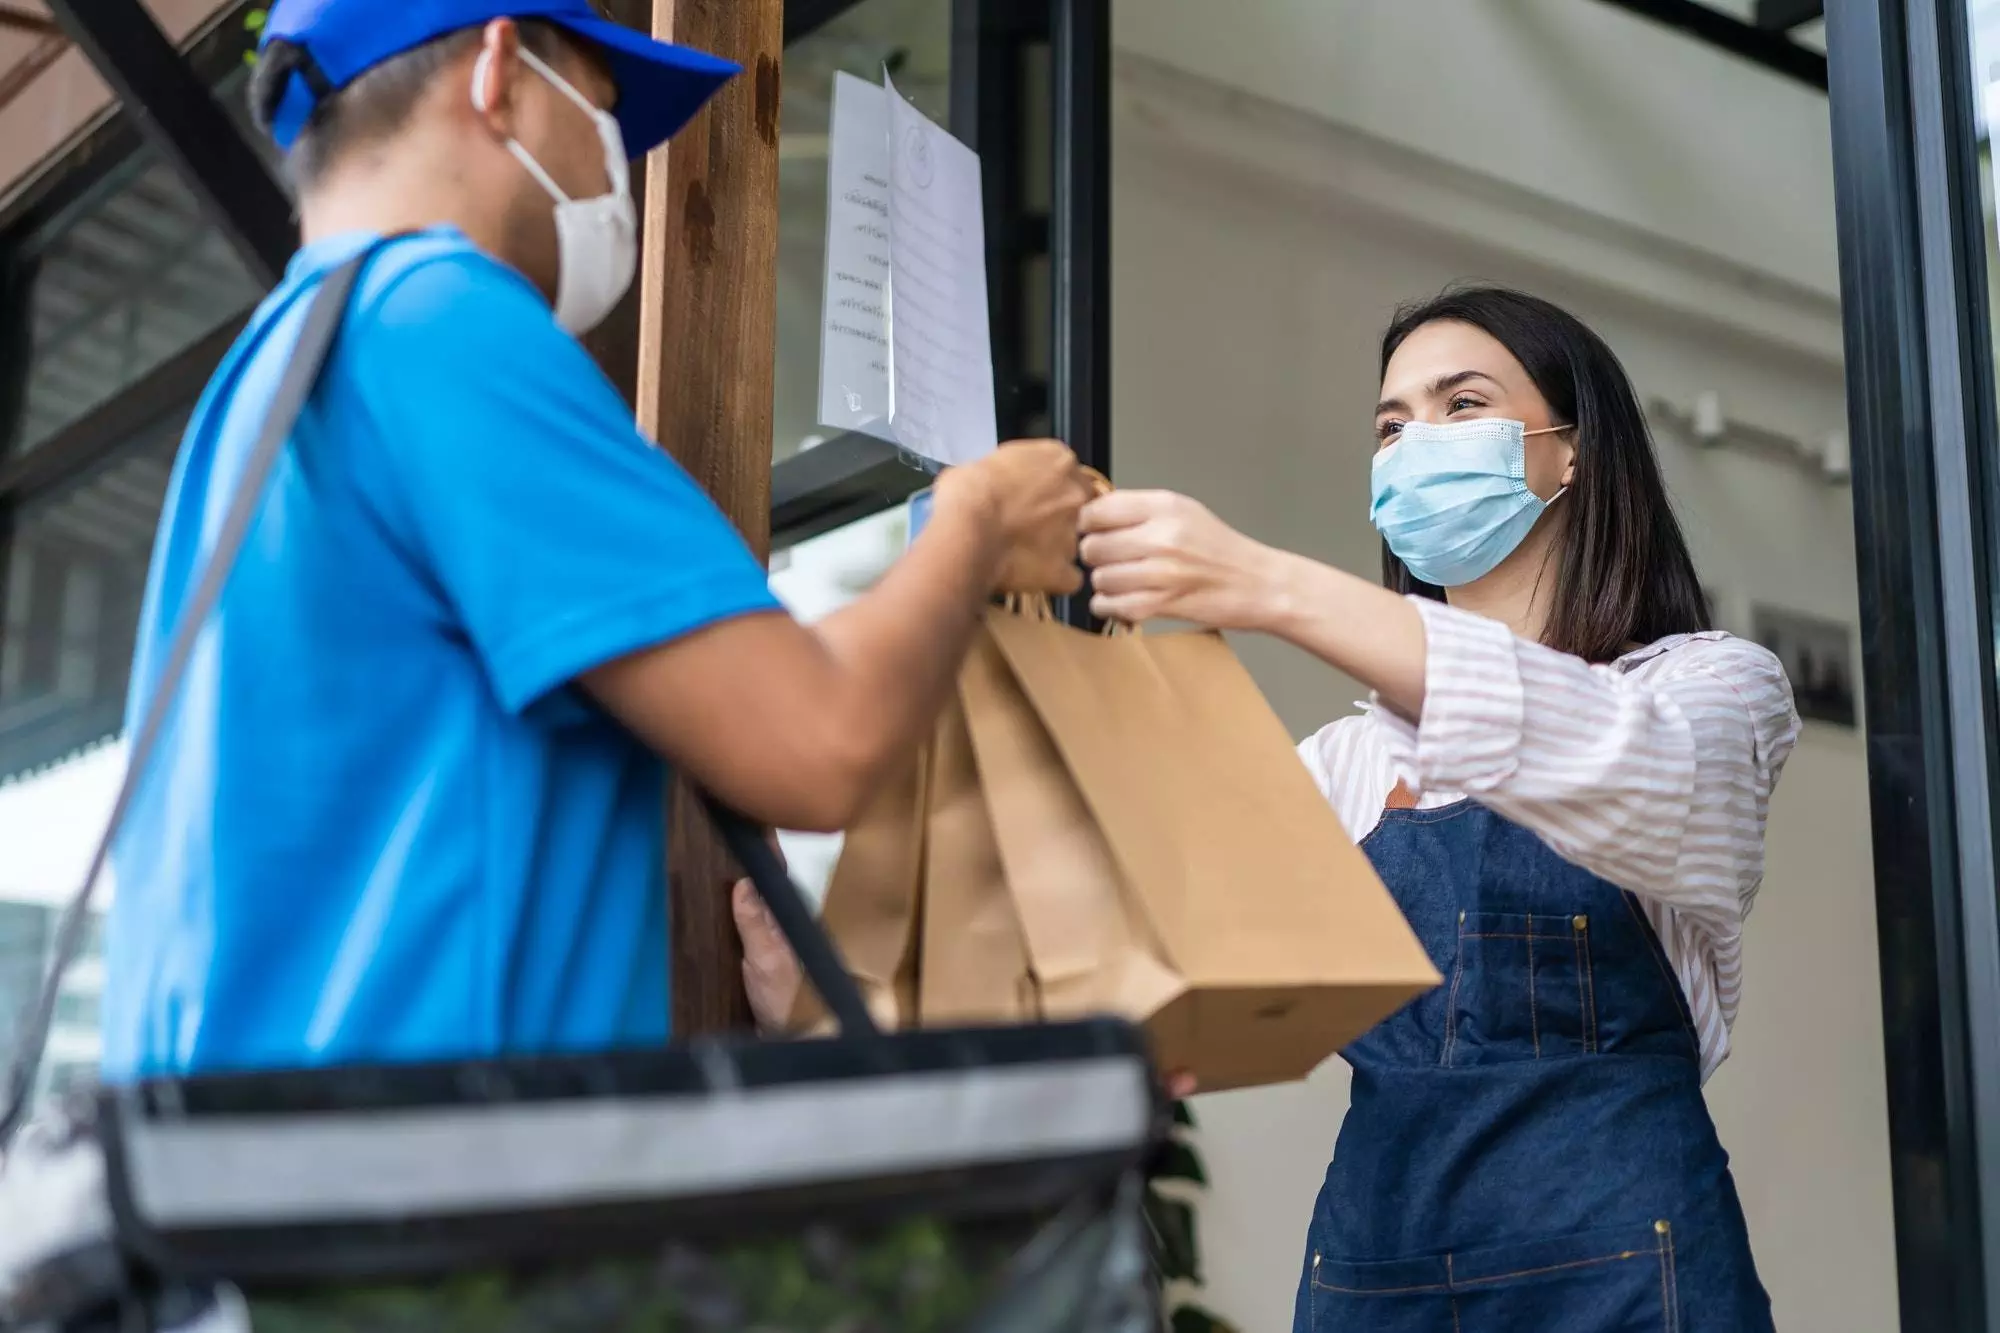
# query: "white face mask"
[[597, 239]]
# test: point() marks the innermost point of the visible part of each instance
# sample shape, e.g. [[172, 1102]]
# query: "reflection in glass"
[[74, 566], [1983, 23], [50, 822], [140, 277], [813, 580]]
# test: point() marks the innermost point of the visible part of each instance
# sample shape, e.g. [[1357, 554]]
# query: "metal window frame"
[[104, 159], [1768, 46], [180, 117], [1922, 409], [1080, 229]]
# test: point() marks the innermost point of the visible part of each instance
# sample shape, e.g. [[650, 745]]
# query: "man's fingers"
[[752, 917], [1062, 579]]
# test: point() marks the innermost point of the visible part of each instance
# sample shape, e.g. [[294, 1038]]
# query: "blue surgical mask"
[[1452, 500]]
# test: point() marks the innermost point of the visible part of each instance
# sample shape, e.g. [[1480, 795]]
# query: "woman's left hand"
[[1155, 554]]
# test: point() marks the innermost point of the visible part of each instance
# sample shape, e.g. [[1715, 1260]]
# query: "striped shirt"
[[1654, 773]]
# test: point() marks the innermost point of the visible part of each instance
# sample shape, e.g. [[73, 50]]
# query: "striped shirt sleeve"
[[1353, 771], [1657, 780]]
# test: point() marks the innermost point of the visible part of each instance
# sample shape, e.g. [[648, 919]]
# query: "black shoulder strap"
[[816, 952]]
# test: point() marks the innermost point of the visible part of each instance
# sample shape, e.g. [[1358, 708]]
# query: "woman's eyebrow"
[[1442, 385], [1446, 383]]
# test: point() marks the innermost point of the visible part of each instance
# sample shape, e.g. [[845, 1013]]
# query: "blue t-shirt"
[[382, 824]]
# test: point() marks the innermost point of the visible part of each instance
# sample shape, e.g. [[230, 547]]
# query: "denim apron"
[[1527, 1149]]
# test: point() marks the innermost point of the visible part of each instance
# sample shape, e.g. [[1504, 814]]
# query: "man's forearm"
[[898, 648]]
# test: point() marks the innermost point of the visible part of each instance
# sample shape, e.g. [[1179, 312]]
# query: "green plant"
[[1171, 1197], [253, 22]]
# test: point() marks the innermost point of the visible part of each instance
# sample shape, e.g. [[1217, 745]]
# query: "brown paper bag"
[[874, 901], [975, 960], [1237, 877], [1090, 948]]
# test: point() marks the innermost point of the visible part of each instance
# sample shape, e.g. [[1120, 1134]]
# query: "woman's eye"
[[1464, 403], [1387, 431]]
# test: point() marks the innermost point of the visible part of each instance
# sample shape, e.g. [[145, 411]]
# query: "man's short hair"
[[375, 104]]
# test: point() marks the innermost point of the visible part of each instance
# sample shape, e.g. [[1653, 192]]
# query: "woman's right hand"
[[1158, 555], [1031, 493]]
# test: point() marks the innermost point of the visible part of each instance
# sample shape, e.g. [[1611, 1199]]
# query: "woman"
[[1563, 779]]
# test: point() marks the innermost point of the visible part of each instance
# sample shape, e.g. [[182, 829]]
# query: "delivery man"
[[409, 804]]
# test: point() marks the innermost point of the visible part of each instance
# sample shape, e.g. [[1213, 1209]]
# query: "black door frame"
[[1921, 414]]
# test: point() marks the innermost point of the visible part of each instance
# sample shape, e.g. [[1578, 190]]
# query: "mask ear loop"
[[608, 133], [1561, 491], [483, 103], [480, 69]]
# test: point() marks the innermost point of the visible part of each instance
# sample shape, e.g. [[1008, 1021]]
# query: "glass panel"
[[1983, 19], [50, 821], [913, 39], [138, 278], [72, 573], [26, 933], [814, 579]]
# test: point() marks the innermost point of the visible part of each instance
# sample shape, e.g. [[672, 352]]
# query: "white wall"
[[1681, 204]]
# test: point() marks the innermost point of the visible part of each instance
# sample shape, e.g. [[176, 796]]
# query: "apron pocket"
[[1609, 1280], [1523, 988]]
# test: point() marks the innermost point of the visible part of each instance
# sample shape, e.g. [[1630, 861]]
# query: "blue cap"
[[660, 86]]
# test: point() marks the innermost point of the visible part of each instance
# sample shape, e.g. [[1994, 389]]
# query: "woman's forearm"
[[1347, 622]]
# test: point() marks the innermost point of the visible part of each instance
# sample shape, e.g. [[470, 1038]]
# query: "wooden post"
[[707, 347], [615, 342]]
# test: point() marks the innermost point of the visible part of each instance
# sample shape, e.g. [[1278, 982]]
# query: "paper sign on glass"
[[854, 329], [905, 351]]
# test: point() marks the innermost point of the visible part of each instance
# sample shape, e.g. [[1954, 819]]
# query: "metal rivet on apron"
[[1461, 918], [1662, 1227], [1580, 921]]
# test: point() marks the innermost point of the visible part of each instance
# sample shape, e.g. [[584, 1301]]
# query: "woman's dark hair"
[[1623, 573]]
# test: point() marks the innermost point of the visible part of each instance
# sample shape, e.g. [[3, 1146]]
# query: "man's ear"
[[494, 75]]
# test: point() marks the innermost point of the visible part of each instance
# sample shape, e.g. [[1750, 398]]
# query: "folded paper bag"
[[873, 903], [1234, 876]]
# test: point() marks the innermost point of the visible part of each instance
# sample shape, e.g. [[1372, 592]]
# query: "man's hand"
[[1032, 492], [770, 968]]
